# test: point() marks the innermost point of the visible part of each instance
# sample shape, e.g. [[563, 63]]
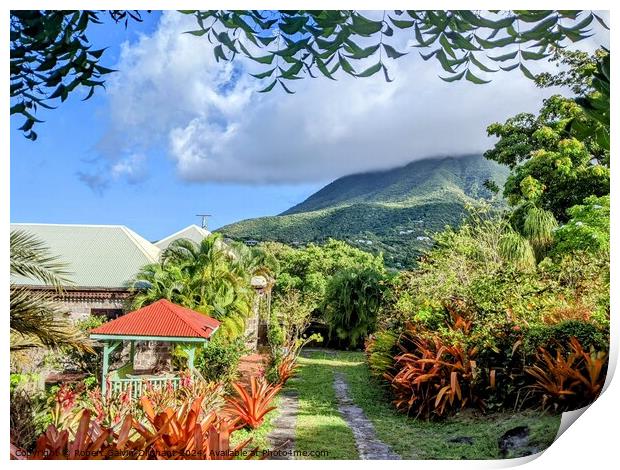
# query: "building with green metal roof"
[[102, 261]]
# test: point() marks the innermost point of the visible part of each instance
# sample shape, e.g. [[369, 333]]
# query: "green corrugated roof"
[[192, 232], [106, 256]]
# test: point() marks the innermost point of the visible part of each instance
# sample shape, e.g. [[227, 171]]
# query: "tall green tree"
[[205, 276], [352, 302], [309, 269], [558, 157]]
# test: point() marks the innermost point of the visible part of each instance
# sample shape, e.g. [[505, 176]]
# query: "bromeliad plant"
[[90, 441], [286, 368], [435, 379], [187, 433], [172, 434], [251, 406], [569, 380]]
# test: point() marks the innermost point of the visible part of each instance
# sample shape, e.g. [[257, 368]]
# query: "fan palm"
[[36, 320]]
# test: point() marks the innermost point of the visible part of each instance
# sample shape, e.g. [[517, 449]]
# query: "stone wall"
[[81, 309], [152, 355]]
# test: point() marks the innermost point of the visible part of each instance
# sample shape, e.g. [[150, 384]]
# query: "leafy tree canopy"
[[51, 56], [555, 164], [309, 270], [557, 180], [587, 228], [578, 74]]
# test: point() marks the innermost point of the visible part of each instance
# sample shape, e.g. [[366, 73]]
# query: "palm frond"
[[538, 227], [516, 249], [37, 321], [31, 258]]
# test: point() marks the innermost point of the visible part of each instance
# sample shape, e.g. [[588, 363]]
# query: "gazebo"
[[161, 321]]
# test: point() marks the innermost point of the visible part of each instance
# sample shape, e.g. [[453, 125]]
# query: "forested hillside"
[[392, 211]]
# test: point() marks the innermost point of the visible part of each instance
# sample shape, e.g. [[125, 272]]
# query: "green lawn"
[[319, 425]]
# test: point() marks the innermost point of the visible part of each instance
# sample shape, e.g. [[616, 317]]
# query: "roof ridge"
[[183, 230], [71, 225], [139, 242], [190, 325]]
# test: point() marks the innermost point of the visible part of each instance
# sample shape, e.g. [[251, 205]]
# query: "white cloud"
[[216, 127], [131, 168]]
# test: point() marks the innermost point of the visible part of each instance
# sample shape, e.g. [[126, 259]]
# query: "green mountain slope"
[[392, 211]]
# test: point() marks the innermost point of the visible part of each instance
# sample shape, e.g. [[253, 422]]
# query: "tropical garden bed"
[[467, 435]]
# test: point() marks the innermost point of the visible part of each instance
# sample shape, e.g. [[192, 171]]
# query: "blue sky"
[[175, 133], [46, 187]]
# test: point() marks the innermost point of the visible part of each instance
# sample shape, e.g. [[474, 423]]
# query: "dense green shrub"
[[275, 338], [352, 301], [381, 348], [219, 359], [552, 336], [587, 229]]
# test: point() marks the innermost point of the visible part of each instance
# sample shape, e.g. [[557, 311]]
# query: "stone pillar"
[[258, 283]]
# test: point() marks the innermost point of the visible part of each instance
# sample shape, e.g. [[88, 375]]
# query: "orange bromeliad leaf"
[[251, 408]]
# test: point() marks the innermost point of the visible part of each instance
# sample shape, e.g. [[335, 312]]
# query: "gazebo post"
[[191, 355], [108, 348], [132, 352]]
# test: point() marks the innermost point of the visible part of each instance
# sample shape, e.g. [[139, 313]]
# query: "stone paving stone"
[[368, 444], [282, 438]]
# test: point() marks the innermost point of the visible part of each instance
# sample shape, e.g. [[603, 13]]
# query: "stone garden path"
[[368, 444], [282, 438]]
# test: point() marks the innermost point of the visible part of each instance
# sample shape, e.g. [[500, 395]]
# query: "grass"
[[420, 439], [319, 425], [259, 435], [321, 428]]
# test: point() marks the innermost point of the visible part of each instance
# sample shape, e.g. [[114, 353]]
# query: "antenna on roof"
[[203, 220]]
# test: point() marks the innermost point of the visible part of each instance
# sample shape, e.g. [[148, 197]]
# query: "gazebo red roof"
[[161, 318]]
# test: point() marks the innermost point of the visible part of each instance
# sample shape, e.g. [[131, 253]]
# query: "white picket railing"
[[139, 385]]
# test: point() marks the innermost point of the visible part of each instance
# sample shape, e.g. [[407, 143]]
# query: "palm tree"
[[521, 237], [156, 281], [205, 276], [36, 320], [259, 262]]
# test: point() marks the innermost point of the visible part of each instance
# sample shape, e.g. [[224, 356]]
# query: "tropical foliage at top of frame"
[[52, 57]]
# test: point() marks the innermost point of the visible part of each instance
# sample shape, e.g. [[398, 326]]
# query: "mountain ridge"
[[393, 211]]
